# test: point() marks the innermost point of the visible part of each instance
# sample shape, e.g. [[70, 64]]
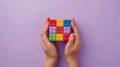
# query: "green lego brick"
[[52, 37]]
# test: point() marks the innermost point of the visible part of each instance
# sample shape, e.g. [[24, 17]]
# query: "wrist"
[[72, 62], [70, 59], [52, 58], [51, 62]]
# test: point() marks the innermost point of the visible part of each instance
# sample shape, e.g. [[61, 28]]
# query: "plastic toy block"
[[66, 37], [59, 30], [67, 22], [52, 22], [52, 30], [60, 23], [59, 37], [52, 37], [67, 30]]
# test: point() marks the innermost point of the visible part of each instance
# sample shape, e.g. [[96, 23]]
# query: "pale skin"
[[71, 49]]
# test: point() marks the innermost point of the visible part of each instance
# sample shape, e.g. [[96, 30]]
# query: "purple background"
[[22, 20]]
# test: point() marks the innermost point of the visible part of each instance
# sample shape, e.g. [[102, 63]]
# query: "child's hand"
[[72, 47], [49, 48]]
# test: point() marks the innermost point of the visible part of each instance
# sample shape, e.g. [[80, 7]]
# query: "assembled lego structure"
[[59, 30]]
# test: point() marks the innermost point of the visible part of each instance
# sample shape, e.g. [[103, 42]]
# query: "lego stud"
[[59, 37], [52, 37], [52, 30], [67, 30], [67, 22], [52, 22], [59, 23]]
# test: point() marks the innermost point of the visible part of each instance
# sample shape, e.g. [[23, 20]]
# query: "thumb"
[[45, 38], [71, 40]]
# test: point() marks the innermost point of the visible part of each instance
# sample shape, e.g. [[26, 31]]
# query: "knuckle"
[[78, 42], [44, 38], [41, 33], [55, 54], [71, 39]]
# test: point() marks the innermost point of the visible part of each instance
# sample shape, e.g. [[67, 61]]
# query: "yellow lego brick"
[[59, 37], [60, 22]]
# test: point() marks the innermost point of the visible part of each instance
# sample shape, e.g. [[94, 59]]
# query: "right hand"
[[72, 47]]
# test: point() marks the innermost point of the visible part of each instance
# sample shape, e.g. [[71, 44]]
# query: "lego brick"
[[67, 30], [52, 29], [67, 22], [66, 37], [59, 23], [52, 22], [52, 37], [59, 37], [59, 30]]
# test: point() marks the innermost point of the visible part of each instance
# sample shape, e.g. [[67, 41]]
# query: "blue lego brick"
[[67, 22]]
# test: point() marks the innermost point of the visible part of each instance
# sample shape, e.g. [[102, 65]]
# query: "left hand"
[[49, 48]]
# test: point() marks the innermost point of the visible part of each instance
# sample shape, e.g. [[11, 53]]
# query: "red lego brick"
[[66, 37], [52, 22], [59, 30]]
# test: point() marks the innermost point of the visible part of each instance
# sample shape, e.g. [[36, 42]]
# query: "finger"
[[45, 32], [45, 38], [45, 29], [75, 29], [47, 19], [71, 40], [42, 42], [77, 44]]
